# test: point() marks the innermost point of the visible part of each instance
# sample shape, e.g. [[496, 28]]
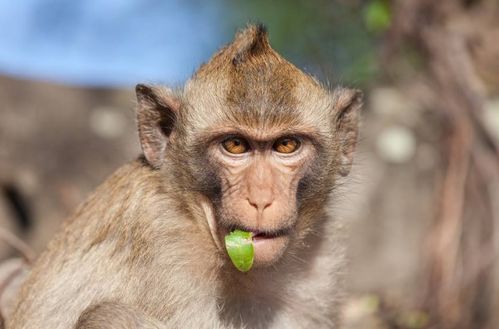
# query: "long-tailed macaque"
[[250, 142]]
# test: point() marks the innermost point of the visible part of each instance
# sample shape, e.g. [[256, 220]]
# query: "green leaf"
[[239, 245]]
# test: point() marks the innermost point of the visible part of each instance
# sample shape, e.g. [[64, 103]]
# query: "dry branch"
[[458, 285]]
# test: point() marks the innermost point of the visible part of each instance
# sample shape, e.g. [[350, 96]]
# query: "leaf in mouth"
[[239, 245]]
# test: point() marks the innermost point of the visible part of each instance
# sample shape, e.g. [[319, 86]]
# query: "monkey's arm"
[[109, 315]]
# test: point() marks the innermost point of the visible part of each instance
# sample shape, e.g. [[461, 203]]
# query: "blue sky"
[[107, 42]]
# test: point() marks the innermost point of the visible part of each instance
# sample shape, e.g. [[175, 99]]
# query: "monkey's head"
[[257, 137]]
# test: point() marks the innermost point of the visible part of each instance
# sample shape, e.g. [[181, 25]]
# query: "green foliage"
[[413, 320], [377, 16]]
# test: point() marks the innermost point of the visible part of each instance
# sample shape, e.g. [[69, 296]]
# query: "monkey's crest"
[[250, 46], [250, 43]]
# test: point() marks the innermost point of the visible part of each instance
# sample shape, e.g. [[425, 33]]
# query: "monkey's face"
[[255, 135], [259, 178]]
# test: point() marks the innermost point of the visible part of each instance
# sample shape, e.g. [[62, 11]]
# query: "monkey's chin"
[[268, 250]]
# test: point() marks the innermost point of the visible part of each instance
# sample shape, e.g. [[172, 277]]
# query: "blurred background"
[[422, 206]]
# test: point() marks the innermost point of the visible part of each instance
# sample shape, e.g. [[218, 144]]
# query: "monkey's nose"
[[260, 201]]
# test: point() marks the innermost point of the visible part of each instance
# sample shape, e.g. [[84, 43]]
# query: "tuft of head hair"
[[250, 43]]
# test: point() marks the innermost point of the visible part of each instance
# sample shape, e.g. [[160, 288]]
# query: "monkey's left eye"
[[286, 145], [235, 145]]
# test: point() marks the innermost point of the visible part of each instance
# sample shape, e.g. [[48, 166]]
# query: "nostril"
[[252, 203], [260, 204]]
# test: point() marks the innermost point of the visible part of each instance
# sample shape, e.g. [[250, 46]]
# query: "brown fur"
[[139, 252]]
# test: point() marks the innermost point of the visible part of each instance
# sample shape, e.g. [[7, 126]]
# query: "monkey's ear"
[[156, 116], [348, 103]]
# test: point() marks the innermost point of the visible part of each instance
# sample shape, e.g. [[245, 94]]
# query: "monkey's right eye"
[[236, 145]]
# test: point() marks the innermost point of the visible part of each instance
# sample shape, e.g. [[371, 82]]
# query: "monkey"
[[249, 142]]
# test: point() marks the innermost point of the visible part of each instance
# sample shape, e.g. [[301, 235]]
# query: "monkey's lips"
[[268, 249], [258, 236]]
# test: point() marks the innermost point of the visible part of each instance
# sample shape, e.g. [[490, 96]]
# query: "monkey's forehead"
[[270, 101]]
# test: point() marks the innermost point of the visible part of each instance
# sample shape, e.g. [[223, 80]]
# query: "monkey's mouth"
[[269, 245], [261, 235]]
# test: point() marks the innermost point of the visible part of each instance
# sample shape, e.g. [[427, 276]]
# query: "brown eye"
[[235, 145], [286, 145]]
